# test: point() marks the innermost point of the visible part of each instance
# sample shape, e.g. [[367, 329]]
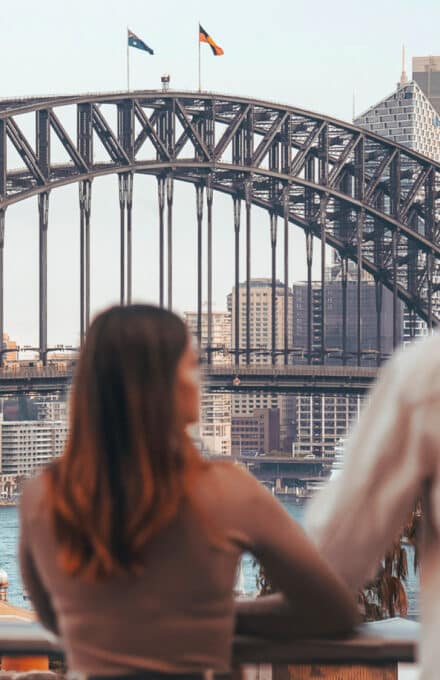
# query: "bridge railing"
[[60, 370], [53, 371], [374, 650], [343, 371]]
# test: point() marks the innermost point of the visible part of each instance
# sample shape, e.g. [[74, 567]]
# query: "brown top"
[[178, 615]]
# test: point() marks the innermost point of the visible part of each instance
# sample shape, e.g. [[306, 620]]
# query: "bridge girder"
[[376, 203]]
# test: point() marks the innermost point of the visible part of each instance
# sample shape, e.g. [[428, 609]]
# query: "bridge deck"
[[227, 378], [295, 378]]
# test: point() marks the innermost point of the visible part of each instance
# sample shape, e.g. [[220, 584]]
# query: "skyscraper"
[[334, 321], [215, 408], [260, 316], [406, 116], [260, 340], [426, 73], [322, 420], [410, 116]]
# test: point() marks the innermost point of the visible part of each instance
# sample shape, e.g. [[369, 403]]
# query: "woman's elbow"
[[340, 619]]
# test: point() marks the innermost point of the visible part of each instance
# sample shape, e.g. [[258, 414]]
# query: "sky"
[[312, 55]]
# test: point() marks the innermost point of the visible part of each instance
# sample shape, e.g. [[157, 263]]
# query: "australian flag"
[[134, 41]]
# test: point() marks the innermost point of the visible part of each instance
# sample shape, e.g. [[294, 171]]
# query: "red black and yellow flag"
[[205, 37]]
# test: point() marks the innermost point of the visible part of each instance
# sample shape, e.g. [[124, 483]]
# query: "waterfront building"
[[214, 431], [260, 340], [26, 446], [51, 407], [18, 408], [9, 486], [323, 419], [256, 433]]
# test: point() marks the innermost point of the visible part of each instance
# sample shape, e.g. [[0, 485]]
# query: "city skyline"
[[292, 59]]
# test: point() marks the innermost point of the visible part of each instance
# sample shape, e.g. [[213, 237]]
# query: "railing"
[[297, 378], [306, 371], [374, 647], [228, 377]]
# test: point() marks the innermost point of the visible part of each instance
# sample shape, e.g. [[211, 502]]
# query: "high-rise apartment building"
[[51, 407], [426, 73], [410, 116], [334, 323], [260, 340], [215, 408], [322, 420], [260, 318], [406, 116], [27, 445]]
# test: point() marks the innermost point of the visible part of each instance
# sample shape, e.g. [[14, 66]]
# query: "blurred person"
[[392, 460], [130, 541]]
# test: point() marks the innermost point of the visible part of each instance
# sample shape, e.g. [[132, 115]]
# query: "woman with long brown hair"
[[130, 541]]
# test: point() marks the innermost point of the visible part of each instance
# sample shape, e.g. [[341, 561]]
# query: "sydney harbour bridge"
[[376, 203]]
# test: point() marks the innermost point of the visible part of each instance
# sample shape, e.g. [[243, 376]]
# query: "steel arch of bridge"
[[375, 202]]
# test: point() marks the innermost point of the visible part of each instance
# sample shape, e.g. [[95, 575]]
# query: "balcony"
[[372, 652]]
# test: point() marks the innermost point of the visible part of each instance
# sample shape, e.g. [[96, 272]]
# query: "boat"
[[239, 588], [338, 460]]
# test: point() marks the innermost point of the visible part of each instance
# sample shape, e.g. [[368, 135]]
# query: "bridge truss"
[[225, 378], [376, 203]]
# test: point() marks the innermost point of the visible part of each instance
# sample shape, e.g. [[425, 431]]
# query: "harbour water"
[[9, 531]]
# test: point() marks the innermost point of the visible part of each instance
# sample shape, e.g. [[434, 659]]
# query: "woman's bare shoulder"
[[33, 494], [232, 477]]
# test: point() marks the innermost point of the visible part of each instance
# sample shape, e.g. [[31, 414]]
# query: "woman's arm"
[[38, 594], [314, 599]]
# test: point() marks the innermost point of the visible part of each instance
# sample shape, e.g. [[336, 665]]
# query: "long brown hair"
[[128, 460]]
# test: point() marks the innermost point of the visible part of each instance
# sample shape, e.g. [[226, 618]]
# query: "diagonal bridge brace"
[[191, 131], [148, 132]]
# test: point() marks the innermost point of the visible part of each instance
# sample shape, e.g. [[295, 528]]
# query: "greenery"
[[385, 596]]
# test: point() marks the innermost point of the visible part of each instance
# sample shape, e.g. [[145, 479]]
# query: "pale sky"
[[306, 54]]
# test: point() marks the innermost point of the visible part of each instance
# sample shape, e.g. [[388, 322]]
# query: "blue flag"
[[134, 41]]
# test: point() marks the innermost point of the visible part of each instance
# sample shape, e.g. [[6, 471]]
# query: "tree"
[[385, 596]]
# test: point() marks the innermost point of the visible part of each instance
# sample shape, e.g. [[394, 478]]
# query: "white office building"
[[27, 445], [51, 407], [215, 408]]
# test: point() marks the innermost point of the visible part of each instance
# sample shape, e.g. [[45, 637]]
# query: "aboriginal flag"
[[205, 37], [134, 41]]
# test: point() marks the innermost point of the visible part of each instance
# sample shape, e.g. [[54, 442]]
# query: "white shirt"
[[392, 458]]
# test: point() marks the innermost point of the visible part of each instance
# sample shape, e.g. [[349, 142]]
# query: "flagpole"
[[200, 71], [128, 63]]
